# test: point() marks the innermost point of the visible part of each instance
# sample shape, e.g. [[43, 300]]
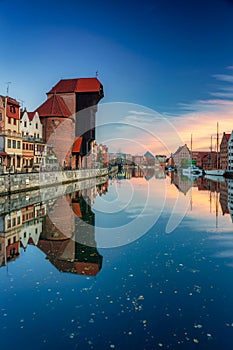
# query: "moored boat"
[[215, 172], [192, 171]]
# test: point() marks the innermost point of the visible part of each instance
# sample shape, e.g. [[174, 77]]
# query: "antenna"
[[96, 73], [7, 88], [22, 103]]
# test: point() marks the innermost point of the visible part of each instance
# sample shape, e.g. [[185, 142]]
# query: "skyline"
[[169, 57]]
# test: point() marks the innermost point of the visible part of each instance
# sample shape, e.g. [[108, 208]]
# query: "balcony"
[[29, 138], [9, 132]]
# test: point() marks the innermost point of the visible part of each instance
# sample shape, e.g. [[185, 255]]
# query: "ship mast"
[[217, 146]]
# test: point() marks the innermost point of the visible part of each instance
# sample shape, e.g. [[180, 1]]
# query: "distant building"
[[149, 159], [230, 152], [181, 157], [224, 151], [138, 160]]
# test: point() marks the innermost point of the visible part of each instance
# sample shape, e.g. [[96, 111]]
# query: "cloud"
[[222, 94], [224, 77]]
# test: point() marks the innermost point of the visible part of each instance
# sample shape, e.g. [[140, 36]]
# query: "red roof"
[[77, 85], [77, 145], [12, 101], [228, 136], [31, 115], [54, 107]]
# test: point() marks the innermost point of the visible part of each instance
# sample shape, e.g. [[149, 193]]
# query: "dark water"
[[101, 268]]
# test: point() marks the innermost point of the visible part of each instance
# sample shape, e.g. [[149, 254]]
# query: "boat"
[[215, 172], [193, 171]]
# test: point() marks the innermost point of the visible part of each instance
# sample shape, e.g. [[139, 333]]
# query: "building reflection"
[[219, 188], [63, 228], [146, 172]]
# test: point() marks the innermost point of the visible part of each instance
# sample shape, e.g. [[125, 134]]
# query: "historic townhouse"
[[181, 156], [33, 150], [230, 152], [10, 136], [224, 151]]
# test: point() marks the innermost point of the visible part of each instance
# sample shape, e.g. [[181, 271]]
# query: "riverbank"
[[15, 183]]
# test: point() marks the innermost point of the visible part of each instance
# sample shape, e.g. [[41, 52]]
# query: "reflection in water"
[[163, 291], [56, 229], [64, 227]]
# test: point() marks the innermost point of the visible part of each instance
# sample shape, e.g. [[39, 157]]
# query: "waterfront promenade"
[[15, 183]]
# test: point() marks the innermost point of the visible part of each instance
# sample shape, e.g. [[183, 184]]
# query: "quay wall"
[[16, 201], [13, 183]]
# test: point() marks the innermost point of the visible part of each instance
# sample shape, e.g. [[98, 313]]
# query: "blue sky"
[[167, 55]]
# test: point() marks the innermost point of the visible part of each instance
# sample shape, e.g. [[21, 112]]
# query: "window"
[[36, 125], [18, 220], [25, 124], [14, 121], [23, 145], [9, 143], [12, 109], [9, 223], [26, 145], [14, 222], [18, 144], [0, 116], [9, 120], [14, 144]]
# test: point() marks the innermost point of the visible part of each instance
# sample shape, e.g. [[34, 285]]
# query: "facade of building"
[[230, 152], [10, 137], [181, 156], [224, 151], [205, 160], [31, 129]]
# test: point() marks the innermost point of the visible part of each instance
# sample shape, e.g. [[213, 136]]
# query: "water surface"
[[97, 268]]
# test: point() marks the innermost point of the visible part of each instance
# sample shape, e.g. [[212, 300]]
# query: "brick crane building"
[[71, 105]]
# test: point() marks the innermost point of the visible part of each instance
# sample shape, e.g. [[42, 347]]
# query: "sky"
[[173, 58]]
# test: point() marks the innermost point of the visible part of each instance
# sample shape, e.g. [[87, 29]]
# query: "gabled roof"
[[227, 136], [149, 155], [76, 85], [54, 107], [31, 115]]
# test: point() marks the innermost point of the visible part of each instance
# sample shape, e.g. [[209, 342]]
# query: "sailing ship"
[[217, 171]]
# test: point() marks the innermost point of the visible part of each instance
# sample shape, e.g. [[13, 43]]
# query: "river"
[[142, 261]]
